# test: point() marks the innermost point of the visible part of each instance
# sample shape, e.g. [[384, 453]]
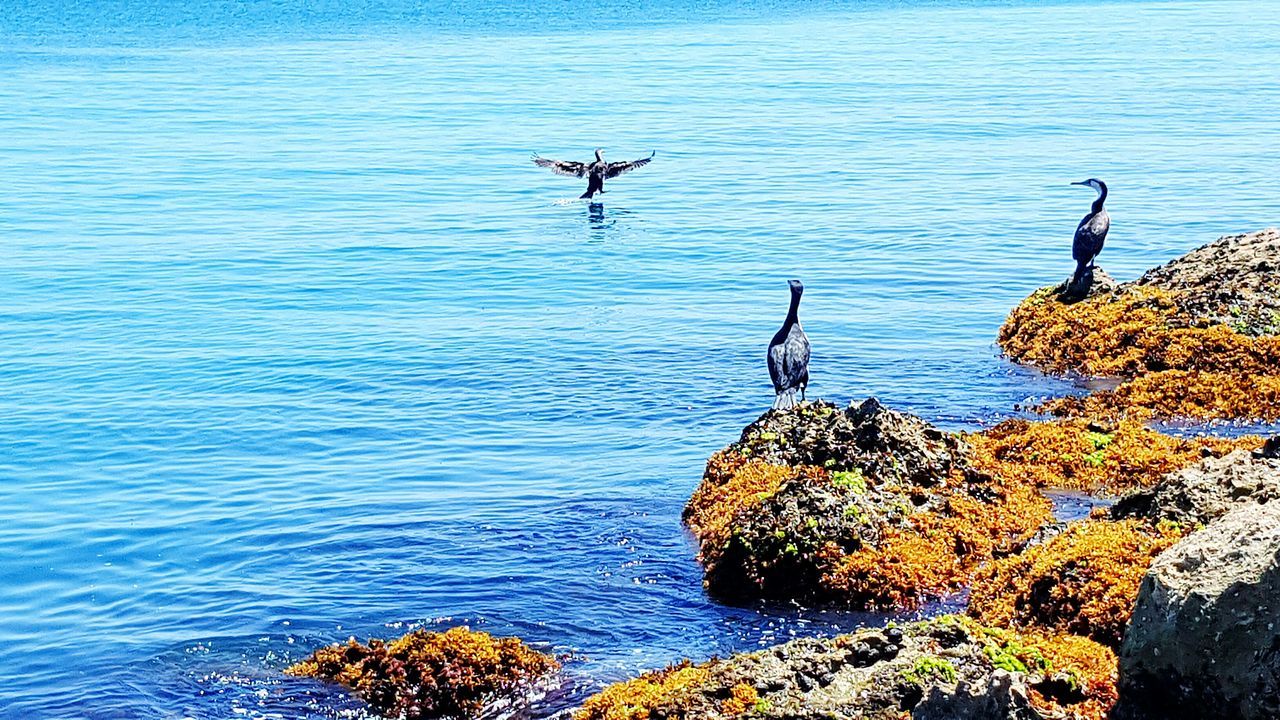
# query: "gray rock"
[[1207, 490], [1234, 280], [1204, 641], [1001, 695]]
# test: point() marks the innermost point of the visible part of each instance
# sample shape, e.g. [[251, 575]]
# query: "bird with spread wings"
[[596, 172]]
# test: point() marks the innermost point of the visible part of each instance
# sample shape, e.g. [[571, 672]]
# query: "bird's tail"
[[785, 400], [1081, 281], [585, 196]]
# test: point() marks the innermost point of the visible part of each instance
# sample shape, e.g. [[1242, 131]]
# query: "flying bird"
[[1091, 233], [789, 355], [596, 172]]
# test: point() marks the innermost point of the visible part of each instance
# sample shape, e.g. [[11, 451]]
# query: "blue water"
[[295, 343]]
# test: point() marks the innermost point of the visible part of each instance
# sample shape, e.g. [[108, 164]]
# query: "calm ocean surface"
[[295, 343]]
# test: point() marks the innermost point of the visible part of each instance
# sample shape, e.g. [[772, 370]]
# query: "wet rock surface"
[[943, 668], [1205, 635], [1208, 490]]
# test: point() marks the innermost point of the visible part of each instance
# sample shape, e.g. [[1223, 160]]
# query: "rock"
[[999, 696], [864, 507], [1233, 281], [869, 438], [1208, 489], [424, 675], [948, 668], [1198, 338], [1205, 634]]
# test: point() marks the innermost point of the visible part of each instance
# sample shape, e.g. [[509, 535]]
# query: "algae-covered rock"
[[1197, 338], [1206, 490], [949, 667], [864, 507], [455, 674], [1206, 628], [1083, 582]]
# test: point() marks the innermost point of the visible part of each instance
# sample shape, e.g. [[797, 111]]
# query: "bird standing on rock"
[[789, 355], [1091, 233], [596, 172]]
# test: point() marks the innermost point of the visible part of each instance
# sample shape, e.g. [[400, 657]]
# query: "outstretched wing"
[[561, 167], [616, 169]]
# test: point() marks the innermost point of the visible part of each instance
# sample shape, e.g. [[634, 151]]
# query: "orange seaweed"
[[423, 674], [1084, 581], [1076, 454]]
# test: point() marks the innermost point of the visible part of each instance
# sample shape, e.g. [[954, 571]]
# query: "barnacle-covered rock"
[[455, 674], [1196, 338], [869, 438], [949, 667], [1208, 489], [864, 507], [1083, 582], [1206, 627], [1233, 281]]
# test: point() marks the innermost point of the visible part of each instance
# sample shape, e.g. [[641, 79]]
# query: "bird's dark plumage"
[[596, 172], [1091, 233], [789, 355]]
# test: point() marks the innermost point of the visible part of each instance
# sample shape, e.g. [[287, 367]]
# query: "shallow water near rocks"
[[297, 344]]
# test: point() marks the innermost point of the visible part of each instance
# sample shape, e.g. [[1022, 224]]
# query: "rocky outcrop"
[[948, 668], [864, 507], [1209, 489], [424, 675], [1232, 281], [1205, 636], [1197, 338], [1083, 582], [868, 438]]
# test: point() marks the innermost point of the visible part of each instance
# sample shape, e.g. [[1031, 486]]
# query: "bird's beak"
[[1078, 183]]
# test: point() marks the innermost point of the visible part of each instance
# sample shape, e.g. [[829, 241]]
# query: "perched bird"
[[596, 172], [1091, 233], [789, 355]]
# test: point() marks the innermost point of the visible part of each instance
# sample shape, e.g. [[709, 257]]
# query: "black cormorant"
[[789, 355], [597, 171], [1091, 233]]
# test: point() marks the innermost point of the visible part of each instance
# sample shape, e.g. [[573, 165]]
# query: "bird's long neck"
[[793, 313], [1102, 197]]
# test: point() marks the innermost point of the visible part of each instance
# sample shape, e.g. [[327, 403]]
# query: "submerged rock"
[[1205, 632], [1207, 490], [1197, 338], [863, 507], [455, 674], [949, 667]]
